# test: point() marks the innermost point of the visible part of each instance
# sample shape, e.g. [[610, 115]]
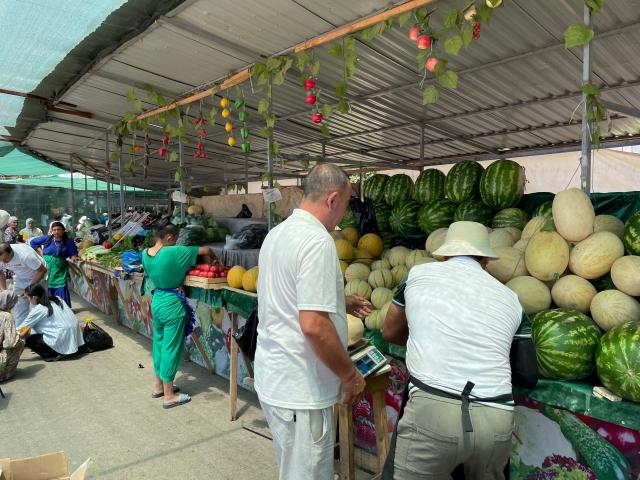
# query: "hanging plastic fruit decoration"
[[476, 31], [311, 87], [243, 117], [162, 151], [228, 126], [201, 124]]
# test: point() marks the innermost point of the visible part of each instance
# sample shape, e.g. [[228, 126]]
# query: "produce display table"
[[244, 258]]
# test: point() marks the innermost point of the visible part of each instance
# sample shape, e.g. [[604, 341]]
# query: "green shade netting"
[[14, 163]]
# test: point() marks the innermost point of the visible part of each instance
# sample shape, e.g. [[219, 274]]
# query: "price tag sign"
[[272, 195]]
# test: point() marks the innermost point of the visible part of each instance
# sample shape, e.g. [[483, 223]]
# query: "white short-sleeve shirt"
[[299, 270], [462, 322], [24, 263], [61, 330]]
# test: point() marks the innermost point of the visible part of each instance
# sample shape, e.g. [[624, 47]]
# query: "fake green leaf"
[[271, 121], [452, 45], [576, 35], [422, 58], [278, 78], [452, 18], [274, 148], [594, 5], [449, 79], [265, 132], [131, 95], [590, 89], [173, 156], [258, 69], [187, 188], [212, 115], [336, 50], [467, 35], [403, 18], [273, 63], [341, 89], [315, 68], [430, 95], [325, 132], [441, 67], [343, 106], [350, 67], [302, 58], [326, 110], [263, 107], [483, 13], [267, 176]]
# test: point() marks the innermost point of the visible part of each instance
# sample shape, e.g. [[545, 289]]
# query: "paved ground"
[[99, 406]]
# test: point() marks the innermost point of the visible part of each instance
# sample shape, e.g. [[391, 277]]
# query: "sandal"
[[161, 394], [182, 399]]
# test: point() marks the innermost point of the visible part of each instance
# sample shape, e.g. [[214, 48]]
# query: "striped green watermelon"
[[429, 186], [373, 187], [388, 239], [603, 283], [502, 184], [543, 210], [618, 360], [631, 237], [398, 189], [566, 342], [348, 221], [463, 181], [510, 217], [404, 218], [473, 211], [436, 215], [382, 212]]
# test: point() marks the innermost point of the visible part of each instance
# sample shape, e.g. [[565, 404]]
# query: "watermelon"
[[429, 186], [348, 221], [388, 239], [404, 218], [631, 237], [398, 190], [473, 211], [603, 283], [382, 211], [510, 217], [618, 360], [436, 215], [566, 342], [543, 210], [463, 181], [502, 184], [373, 187]]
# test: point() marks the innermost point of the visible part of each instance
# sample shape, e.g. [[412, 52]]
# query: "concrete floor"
[[99, 406]]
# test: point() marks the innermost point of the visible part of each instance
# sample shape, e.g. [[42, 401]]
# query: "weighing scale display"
[[368, 360]]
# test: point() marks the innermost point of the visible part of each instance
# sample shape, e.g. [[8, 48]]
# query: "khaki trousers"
[[431, 442]]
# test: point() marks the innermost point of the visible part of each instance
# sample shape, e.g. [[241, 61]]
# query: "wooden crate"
[[207, 283]]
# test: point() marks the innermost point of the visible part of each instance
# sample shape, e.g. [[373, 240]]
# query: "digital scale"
[[367, 358]]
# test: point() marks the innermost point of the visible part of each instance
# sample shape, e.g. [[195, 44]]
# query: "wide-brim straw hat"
[[466, 238]]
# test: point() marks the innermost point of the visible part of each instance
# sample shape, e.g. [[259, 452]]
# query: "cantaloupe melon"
[[501, 237], [521, 244], [372, 321], [379, 264], [195, 210], [398, 256], [417, 257], [372, 243], [435, 240], [594, 256], [546, 256], [357, 271], [344, 249], [234, 276], [360, 255], [380, 296], [573, 214], [534, 295], [399, 272], [351, 235], [608, 223], [382, 277], [250, 280], [355, 329], [625, 274], [612, 307], [574, 292], [358, 287], [510, 264]]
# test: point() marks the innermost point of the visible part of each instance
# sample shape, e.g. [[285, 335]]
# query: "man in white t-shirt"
[[28, 268], [301, 364], [458, 323]]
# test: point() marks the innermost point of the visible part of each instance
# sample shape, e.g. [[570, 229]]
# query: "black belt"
[[464, 397]]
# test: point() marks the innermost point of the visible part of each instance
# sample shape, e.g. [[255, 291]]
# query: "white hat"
[[466, 238]]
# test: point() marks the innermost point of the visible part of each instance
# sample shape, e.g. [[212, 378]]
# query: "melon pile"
[[247, 280]]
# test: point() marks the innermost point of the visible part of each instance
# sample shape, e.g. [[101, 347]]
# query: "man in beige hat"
[[458, 323]]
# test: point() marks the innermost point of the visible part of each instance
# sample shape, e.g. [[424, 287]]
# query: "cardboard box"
[[52, 466]]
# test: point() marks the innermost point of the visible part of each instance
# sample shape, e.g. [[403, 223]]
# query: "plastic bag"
[[244, 212], [247, 336], [249, 237], [95, 338], [131, 262]]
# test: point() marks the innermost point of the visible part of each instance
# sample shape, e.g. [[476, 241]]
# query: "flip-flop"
[[161, 394], [182, 399]]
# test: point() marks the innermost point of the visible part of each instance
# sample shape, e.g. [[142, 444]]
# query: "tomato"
[[211, 275], [223, 274], [215, 269], [214, 274]]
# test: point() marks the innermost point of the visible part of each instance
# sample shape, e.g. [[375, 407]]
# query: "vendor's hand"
[[353, 387], [358, 306]]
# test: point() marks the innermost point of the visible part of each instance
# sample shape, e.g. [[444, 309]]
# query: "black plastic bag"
[[95, 338], [247, 336], [244, 212]]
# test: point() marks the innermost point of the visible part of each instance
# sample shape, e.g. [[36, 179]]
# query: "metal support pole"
[[181, 181], [361, 186], [585, 157], [121, 187], [108, 178], [97, 205], [73, 197], [270, 163], [422, 146], [246, 175], [86, 190]]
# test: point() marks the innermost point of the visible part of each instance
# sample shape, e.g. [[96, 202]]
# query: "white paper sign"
[[272, 195], [178, 197]]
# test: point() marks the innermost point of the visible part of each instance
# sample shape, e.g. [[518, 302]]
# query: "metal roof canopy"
[[518, 90]]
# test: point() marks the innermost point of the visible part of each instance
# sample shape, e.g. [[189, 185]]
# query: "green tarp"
[[15, 163], [223, 298]]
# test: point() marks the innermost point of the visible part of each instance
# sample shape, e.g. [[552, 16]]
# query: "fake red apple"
[[431, 64], [309, 84], [317, 118], [311, 99], [414, 32], [423, 41]]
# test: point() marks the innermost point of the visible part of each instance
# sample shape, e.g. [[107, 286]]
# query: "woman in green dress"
[[166, 266]]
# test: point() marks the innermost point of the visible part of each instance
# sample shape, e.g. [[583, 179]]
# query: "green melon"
[[382, 211], [603, 283], [404, 218], [502, 184], [429, 186], [510, 217], [463, 181], [373, 187], [348, 221], [435, 215], [473, 211], [388, 239], [618, 360], [566, 342], [398, 190], [543, 210], [631, 237]]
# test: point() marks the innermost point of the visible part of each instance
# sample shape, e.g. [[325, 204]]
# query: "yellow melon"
[[351, 235], [608, 223], [593, 257], [355, 329], [234, 276], [360, 255], [344, 249], [574, 292], [250, 280], [343, 266], [546, 256], [534, 295], [510, 264], [612, 307], [625, 274], [573, 214], [372, 243]]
